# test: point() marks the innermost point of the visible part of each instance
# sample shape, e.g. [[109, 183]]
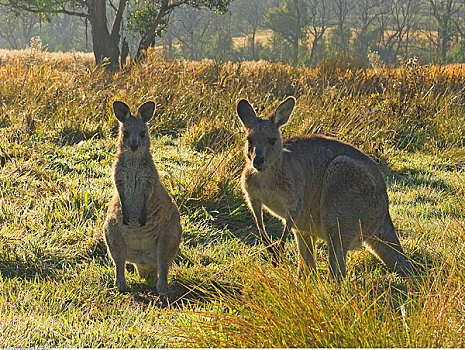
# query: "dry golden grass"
[[81, 58], [262, 36]]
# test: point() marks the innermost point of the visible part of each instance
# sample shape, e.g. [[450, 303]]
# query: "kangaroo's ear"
[[122, 112], [283, 112], [246, 113], [146, 111]]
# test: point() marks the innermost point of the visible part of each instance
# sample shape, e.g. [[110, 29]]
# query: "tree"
[[17, 29], [336, 41], [151, 17], [63, 33], [402, 15], [290, 22], [443, 12], [367, 12], [190, 27], [341, 9], [319, 23], [252, 14], [221, 44], [105, 40]]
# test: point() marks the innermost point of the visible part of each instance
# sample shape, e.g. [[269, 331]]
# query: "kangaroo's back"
[[313, 155]]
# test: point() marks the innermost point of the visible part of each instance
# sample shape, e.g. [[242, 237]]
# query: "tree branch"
[[21, 6], [118, 18]]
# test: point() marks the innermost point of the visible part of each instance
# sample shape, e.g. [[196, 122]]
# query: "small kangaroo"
[[143, 224], [321, 188]]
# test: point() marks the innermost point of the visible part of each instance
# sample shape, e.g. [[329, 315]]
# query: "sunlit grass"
[[57, 137]]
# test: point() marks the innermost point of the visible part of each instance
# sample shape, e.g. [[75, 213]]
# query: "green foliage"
[[221, 45], [283, 19], [141, 17], [334, 49], [366, 42], [289, 21], [457, 53], [46, 9], [148, 13]]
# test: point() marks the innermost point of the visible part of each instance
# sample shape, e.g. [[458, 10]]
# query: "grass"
[[57, 136]]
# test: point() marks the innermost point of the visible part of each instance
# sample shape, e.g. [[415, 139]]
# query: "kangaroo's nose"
[[134, 146], [258, 162]]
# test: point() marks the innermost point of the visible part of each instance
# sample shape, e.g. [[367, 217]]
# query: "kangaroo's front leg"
[[143, 211], [258, 216], [148, 187], [124, 208], [289, 225]]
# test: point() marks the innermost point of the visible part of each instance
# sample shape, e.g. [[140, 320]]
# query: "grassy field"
[[57, 141]]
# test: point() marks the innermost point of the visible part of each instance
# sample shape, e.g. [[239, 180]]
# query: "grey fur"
[[143, 223], [321, 188]]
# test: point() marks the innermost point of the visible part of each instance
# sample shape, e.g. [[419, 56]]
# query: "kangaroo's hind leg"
[[341, 232], [117, 252], [387, 247], [342, 228], [352, 201], [167, 249]]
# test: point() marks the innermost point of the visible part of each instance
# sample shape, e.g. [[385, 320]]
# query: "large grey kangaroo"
[[143, 224], [321, 188]]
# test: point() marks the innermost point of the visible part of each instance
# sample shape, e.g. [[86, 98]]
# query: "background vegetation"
[[305, 32], [57, 141]]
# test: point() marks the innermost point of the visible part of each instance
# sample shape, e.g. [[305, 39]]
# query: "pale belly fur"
[[140, 242]]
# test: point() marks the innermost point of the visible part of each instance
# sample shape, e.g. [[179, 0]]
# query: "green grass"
[[57, 137]]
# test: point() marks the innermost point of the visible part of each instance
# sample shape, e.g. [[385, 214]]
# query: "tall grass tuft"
[[278, 309]]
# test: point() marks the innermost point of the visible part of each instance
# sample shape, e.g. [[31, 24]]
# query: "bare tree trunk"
[[318, 17], [254, 30], [315, 41], [295, 52], [341, 7], [105, 43], [124, 52]]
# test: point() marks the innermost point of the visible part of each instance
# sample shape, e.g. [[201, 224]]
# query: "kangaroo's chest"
[[141, 243], [276, 198], [136, 184], [133, 183]]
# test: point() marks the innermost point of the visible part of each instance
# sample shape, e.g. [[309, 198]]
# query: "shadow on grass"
[[69, 136], [415, 177], [226, 221], [15, 269], [32, 261], [182, 294]]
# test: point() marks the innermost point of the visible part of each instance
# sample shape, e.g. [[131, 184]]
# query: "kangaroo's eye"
[[272, 142], [142, 134], [125, 134]]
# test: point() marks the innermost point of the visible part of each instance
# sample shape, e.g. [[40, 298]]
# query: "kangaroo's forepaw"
[[143, 219], [163, 301]]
